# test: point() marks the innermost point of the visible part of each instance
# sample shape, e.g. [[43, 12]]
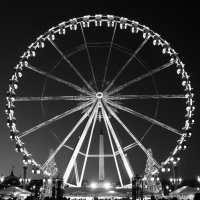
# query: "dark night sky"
[[21, 24]]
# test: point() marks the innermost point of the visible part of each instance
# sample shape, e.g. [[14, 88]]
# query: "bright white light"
[[93, 185], [49, 180], [171, 159], [152, 179], [2, 178], [174, 162], [198, 179], [107, 185], [111, 191], [163, 169]]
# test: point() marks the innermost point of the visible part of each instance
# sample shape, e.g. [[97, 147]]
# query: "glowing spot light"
[[93, 185], [107, 185]]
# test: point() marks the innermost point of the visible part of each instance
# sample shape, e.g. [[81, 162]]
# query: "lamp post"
[[175, 182], [24, 181]]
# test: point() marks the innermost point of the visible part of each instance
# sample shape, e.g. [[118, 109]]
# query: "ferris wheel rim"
[[124, 23]]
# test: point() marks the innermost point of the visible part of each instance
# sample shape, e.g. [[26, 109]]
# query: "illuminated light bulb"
[[189, 134], [184, 83], [37, 171], [29, 161], [163, 169], [171, 159], [174, 162]]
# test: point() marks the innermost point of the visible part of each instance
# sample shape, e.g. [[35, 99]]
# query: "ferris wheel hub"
[[99, 95]]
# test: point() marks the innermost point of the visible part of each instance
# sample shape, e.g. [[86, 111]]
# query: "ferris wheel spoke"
[[131, 134], [68, 135], [108, 58], [89, 58], [125, 65], [71, 65], [52, 98], [113, 151], [150, 73], [167, 96], [56, 118], [142, 116], [59, 80], [79, 144], [130, 171], [88, 148]]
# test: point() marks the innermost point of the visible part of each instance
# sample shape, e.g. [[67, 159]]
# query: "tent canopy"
[[14, 190], [185, 190]]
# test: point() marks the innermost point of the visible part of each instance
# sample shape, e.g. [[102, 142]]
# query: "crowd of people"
[[196, 197]]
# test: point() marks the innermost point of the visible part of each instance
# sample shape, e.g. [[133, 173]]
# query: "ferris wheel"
[[95, 74]]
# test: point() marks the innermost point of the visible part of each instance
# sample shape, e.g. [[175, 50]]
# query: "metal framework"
[[98, 103]]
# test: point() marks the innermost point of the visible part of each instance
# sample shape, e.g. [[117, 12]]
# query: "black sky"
[[21, 24]]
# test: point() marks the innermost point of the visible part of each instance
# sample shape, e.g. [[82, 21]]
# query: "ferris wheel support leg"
[[87, 151], [126, 164], [78, 146], [112, 147]]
